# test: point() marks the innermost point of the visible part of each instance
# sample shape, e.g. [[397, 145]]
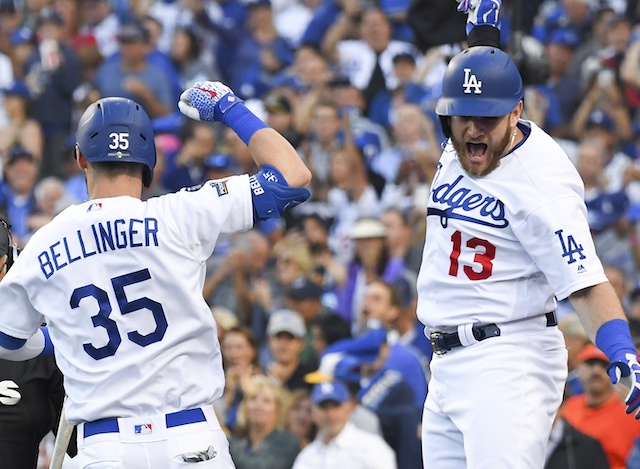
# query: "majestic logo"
[[570, 248], [9, 394], [471, 81], [465, 205]]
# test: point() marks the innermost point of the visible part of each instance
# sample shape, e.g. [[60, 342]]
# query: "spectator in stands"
[[367, 61], [319, 146], [101, 23], [612, 231], [240, 359], [603, 107], [599, 412], [574, 14], [591, 156], [292, 261], [187, 166], [371, 262], [346, 368], [280, 116], [304, 296], [299, 421], [327, 271], [17, 199], [564, 82], [22, 41], [352, 196], [186, 55], [134, 76], [401, 240], [569, 448], [261, 53], [232, 278], [328, 329], [21, 128], [52, 74], [259, 439], [576, 339], [286, 331], [51, 199], [339, 443], [221, 27]]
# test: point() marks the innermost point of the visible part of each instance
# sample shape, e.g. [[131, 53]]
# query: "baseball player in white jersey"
[[507, 234], [119, 283]]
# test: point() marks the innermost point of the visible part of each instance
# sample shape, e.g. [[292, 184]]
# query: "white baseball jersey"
[[119, 282], [503, 246]]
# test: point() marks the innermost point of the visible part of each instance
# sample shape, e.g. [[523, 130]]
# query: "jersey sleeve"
[[202, 212], [17, 317], [557, 237]]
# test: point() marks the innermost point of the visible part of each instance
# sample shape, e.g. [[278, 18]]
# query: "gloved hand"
[[481, 12], [207, 101], [627, 372]]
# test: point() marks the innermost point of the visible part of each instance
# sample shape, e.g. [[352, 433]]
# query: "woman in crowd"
[[259, 440], [299, 421], [240, 356]]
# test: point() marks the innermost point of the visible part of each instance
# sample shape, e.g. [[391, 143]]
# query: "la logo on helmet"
[[471, 81]]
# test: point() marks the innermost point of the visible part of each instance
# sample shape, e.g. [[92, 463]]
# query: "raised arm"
[[214, 101]]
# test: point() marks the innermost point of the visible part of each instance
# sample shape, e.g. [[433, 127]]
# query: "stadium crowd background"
[[352, 84]]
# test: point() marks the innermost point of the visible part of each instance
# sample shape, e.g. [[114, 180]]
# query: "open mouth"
[[476, 150]]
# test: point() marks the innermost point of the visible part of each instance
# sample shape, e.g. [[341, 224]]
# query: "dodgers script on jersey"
[[62, 273], [477, 227]]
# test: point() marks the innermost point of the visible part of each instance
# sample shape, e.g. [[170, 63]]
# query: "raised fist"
[[480, 12], [207, 101], [627, 371]]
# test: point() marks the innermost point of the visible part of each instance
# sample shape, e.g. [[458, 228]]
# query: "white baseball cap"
[[367, 228], [286, 320]]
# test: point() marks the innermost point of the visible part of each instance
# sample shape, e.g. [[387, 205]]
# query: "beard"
[[496, 154]]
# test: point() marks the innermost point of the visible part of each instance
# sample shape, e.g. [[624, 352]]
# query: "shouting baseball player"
[[119, 282], [507, 234]]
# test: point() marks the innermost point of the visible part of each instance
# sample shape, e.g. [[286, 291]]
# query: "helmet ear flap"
[[445, 123]]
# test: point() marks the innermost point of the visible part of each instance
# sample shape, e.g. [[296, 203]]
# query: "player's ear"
[[516, 113], [80, 159]]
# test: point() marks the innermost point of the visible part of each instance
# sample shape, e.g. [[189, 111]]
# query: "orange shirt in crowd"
[[608, 423]]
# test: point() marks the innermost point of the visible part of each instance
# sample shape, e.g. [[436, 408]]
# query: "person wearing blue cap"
[[338, 442], [21, 128]]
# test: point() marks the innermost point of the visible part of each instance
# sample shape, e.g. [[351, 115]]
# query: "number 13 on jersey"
[[482, 266]]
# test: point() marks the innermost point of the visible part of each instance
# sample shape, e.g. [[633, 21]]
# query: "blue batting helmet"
[[117, 130], [480, 81]]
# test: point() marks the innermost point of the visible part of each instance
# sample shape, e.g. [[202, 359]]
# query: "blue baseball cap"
[[17, 88], [606, 209], [599, 118], [21, 36], [330, 391], [565, 37]]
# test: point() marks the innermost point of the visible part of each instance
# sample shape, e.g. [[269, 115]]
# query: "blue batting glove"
[[207, 101], [465, 5], [627, 372], [481, 12]]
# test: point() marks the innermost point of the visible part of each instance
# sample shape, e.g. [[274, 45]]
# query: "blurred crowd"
[[316, 312]]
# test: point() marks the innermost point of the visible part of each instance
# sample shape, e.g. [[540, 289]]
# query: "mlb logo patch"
[[143, 429], [94, 207]]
